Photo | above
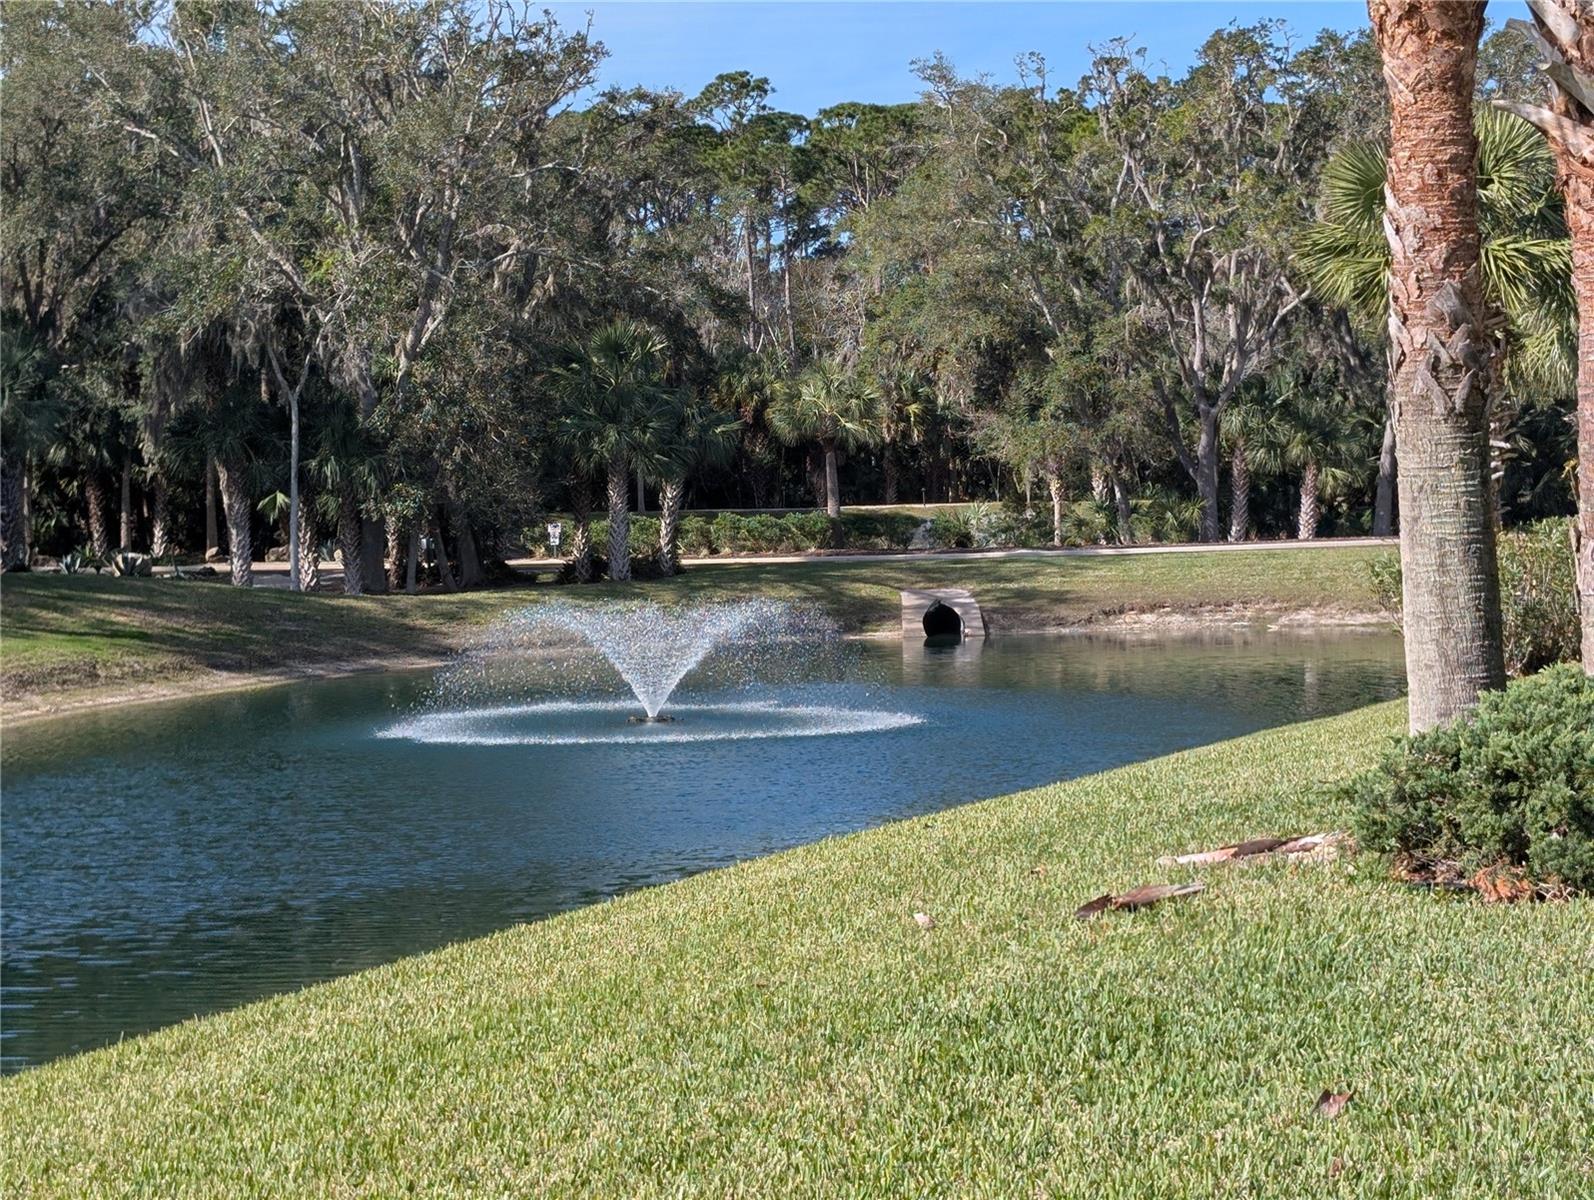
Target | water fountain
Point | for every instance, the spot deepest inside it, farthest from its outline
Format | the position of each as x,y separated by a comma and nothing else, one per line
571,656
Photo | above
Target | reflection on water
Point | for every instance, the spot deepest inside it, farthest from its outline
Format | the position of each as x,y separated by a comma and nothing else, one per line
168,860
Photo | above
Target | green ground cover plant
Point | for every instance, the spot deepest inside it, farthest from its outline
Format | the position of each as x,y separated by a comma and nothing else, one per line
1509,786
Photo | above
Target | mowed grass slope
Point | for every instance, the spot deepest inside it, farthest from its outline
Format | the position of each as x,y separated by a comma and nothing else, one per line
784,1028
59,632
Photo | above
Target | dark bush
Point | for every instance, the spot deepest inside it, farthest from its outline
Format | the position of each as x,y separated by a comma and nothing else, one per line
1510,785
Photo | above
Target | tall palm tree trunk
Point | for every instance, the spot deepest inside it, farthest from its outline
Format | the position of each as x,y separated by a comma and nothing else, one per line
1311,505
1054,487
671,493
396,545
1384,498
160,534
1440,348
309,543
13,517
95,501
351,544
581,534
1565,37
1239,492
619,521
888,471
1580,213
212,533
832,479
126,532
412,559
1100,490
235,507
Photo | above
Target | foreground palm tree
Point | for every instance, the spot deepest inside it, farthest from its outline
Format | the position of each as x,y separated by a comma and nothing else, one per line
614,417
833,407
1440,350
1564,32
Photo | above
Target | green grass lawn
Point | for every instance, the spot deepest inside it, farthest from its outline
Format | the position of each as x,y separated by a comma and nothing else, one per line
61,632
784,1028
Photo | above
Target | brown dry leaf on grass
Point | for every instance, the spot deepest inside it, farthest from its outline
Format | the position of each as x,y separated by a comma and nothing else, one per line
1502,885
1140,897
1499,884
1330,1104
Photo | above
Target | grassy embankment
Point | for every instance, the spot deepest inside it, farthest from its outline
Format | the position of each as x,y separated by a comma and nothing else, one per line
785,1028
60,633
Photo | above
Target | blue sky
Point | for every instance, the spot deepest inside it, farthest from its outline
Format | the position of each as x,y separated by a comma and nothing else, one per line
817,54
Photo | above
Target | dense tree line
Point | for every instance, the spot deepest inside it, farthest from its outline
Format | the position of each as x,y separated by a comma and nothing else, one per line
369,273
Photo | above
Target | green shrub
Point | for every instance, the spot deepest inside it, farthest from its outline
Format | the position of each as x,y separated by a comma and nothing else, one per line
948,533
726,531
879,531
1088,523
1158,516
764,534
1538,595
644,534
1510,785
810,530
1011,527
1383,579
697,536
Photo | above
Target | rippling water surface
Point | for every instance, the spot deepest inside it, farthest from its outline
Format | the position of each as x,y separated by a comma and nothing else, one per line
168,860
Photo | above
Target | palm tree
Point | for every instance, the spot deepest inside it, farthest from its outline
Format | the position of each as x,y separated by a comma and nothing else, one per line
1243,426
343,471
698,436
1560,30
1307,431
907,398
747,384
614,416
833,407
1524,251
1440,352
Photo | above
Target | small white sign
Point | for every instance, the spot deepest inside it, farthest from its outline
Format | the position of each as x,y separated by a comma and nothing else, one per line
555,531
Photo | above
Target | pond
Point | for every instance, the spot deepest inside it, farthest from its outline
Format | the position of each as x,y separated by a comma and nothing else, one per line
163,861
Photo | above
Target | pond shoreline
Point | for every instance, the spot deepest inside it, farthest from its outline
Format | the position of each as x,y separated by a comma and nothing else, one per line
53,703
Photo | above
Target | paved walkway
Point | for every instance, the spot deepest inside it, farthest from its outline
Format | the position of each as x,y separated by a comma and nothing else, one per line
275,574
